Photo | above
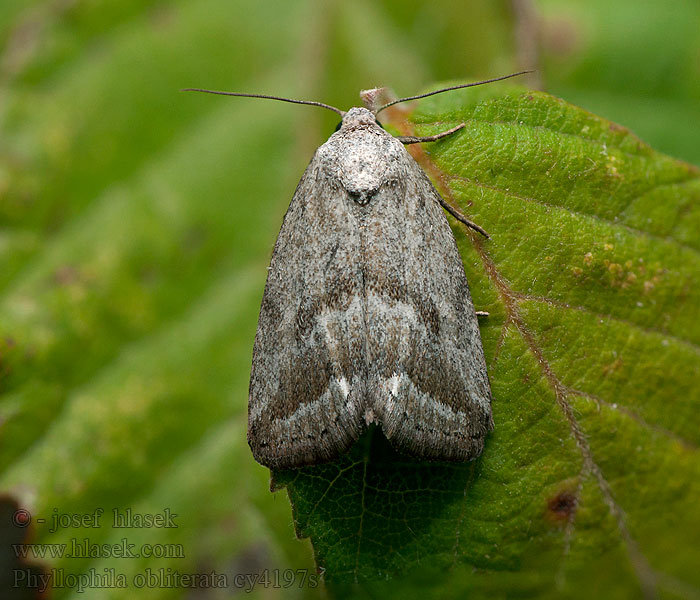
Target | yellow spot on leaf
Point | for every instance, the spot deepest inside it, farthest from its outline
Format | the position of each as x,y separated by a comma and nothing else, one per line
612,367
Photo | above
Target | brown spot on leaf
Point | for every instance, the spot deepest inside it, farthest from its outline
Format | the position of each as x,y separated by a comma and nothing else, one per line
562,506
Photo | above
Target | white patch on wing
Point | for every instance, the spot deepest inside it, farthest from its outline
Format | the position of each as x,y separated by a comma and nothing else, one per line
344,387
425,404
394,382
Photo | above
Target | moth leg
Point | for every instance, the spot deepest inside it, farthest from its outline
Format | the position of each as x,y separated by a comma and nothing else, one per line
482,313
461,218
448,207
410,139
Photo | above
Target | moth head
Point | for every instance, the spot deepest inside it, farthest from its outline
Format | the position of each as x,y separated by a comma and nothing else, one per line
358,118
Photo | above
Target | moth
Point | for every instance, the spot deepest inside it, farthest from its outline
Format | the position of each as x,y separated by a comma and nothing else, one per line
366,315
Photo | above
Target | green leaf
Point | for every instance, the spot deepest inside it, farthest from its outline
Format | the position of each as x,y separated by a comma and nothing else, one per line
591,477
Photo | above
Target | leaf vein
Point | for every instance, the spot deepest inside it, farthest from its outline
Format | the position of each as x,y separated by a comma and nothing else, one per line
645,574
628,412
643,328
599,218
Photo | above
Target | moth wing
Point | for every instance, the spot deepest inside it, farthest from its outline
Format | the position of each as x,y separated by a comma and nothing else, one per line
308,378
428,382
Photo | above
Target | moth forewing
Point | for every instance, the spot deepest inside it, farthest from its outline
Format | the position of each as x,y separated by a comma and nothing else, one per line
366,315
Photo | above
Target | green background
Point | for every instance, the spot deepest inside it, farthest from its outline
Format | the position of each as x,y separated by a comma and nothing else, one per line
136,223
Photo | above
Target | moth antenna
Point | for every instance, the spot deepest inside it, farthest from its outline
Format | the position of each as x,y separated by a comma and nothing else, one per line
311,102
447,89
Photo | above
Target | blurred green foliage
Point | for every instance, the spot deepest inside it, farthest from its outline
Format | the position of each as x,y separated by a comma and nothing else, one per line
136,223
